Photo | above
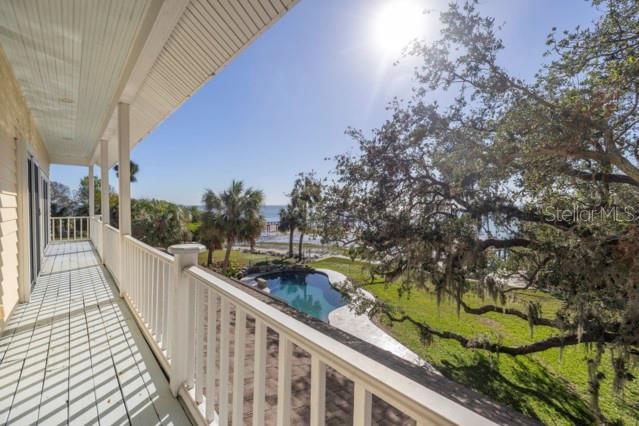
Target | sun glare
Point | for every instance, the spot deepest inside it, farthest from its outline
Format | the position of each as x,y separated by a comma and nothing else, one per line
397,23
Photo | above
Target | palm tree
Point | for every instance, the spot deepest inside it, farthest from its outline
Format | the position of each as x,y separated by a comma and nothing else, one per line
252,229
237,214
210,234
289,221
306,194
134,171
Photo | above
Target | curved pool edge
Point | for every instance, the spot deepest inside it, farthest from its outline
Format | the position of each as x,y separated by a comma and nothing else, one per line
358,325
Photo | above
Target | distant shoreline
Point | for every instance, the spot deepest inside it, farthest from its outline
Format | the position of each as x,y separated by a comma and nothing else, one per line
270,212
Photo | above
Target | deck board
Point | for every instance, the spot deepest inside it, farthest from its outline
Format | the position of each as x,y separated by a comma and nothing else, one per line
74,355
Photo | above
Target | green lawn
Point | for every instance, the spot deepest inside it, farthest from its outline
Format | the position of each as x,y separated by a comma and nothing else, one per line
550,386
305,246
239,258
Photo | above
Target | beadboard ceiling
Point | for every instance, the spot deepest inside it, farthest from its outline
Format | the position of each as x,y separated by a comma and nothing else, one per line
76,59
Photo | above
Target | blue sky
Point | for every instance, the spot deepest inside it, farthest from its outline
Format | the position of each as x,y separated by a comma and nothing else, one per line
282,106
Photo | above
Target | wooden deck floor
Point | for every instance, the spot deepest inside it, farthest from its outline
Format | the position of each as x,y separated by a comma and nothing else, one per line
74,355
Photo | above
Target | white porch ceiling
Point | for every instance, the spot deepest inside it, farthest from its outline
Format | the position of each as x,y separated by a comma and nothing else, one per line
152,54
207,36
69,57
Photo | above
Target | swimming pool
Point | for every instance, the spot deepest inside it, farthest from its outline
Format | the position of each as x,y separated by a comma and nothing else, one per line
309,292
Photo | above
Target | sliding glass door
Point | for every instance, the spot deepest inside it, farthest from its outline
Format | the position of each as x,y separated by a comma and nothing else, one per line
38,216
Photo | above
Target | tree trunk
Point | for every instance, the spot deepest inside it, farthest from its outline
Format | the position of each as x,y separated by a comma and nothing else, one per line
299,250
290,242
209,259
227,255
594,383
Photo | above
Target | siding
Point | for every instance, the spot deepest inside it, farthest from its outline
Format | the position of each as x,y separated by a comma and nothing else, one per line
16,123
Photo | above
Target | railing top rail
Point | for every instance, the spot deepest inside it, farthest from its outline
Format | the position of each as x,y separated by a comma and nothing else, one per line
409,396
111,228
151,250
68,217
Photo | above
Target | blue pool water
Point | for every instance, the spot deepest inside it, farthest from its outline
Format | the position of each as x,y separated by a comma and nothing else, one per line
309,292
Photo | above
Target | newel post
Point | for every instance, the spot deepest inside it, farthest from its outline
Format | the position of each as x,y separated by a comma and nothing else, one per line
181,319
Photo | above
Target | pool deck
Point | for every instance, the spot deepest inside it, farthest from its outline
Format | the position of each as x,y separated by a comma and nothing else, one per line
360,325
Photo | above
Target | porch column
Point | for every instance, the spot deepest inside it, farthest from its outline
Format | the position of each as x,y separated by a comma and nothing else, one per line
104,190
124,184
124,169
91,193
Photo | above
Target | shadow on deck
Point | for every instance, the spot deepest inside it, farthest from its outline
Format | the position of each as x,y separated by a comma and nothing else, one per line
74,354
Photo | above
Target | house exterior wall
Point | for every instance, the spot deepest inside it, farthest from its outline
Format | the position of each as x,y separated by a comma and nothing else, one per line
16,126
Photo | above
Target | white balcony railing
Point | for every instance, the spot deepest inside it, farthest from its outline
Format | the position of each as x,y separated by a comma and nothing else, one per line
69,228
95,233
186,313
111,254
148,273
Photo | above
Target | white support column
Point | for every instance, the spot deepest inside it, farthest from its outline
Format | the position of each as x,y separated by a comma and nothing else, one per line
179,320
124,186
91,193
104,190
124,169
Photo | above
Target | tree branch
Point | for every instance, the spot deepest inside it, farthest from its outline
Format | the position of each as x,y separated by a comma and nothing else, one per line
539,346
507,243
484,309
599,177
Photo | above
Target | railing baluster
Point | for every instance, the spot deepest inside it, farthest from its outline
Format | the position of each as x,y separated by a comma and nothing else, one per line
146,302
318,391
149,289
238,365
259,373
151,294
159,334
156,294
200,371
127,266
130,267
133,286
211,347
140,281
284,358
166,339
140,300
223,395
190,364
362,405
